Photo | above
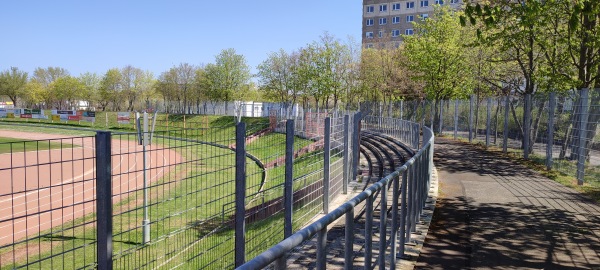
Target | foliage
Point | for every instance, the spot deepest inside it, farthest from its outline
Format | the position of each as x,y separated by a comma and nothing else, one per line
437,55
12,82
227,76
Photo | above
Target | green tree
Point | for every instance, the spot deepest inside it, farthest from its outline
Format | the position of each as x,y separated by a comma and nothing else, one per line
34,94
12,83
92,83
67,91
46,76
227,76
277,77
110,90
438,56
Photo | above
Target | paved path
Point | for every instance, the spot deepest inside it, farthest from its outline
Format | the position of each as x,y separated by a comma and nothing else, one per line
495,214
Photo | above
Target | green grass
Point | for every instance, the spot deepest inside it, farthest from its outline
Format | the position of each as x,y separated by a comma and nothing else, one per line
13,145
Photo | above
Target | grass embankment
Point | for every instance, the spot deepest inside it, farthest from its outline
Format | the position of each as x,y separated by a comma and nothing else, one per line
591,186
188,206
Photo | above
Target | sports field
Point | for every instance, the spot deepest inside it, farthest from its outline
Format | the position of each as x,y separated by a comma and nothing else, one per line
51,181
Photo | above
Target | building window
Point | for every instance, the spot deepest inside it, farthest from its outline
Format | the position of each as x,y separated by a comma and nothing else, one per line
369,46
424,3
410,5
369,22
410,18
382,21
424,16
439,2
396,6
395,33
370,9
408,32
453,1
369,35
382,8
396,19
380,35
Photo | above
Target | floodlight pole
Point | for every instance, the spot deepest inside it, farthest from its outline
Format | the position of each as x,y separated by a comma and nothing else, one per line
146,221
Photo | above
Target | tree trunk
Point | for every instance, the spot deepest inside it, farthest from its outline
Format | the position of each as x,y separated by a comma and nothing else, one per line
536,126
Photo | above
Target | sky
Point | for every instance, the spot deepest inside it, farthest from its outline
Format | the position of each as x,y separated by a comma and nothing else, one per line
94,36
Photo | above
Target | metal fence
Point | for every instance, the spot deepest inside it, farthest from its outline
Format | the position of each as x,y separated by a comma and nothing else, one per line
46,198
167,199
411,181
563,127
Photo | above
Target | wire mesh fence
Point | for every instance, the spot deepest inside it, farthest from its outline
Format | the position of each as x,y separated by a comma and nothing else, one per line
46,203
171,191
562,128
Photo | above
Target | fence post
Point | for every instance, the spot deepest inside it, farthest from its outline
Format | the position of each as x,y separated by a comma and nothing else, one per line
369,232
394,236
382,227
288,187
104,200
146,221
401,109
240,193
326,163
432,115
526,125
346,154
355,144
488,122
403,210
456,119
471,119
550,140
349,240
289,177
441,122
505,135
322,249
581,156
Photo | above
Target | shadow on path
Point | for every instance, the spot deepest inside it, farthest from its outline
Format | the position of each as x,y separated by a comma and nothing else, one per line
495,214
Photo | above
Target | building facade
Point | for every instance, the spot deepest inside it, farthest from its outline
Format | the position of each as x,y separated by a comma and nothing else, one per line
385,21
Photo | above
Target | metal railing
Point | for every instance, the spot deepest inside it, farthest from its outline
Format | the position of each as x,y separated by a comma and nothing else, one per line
409,188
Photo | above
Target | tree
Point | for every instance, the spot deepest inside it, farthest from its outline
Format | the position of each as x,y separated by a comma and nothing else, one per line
46,76
438,57
12,83
227,76
110,89
276,77
34,94
514,26
67,91
91,82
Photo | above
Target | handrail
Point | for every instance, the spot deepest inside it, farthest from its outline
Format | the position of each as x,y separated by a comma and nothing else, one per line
280,249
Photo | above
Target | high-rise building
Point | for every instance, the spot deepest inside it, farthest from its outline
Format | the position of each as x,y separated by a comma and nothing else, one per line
385,21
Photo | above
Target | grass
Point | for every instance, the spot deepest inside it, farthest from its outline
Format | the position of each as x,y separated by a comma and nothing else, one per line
13,145
590,188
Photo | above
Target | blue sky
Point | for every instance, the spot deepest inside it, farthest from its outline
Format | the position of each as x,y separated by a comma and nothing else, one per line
94,36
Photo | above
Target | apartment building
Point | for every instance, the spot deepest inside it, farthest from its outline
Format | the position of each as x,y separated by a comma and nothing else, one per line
385,22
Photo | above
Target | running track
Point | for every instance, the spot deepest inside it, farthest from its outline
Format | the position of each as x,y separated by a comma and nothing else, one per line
43,189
